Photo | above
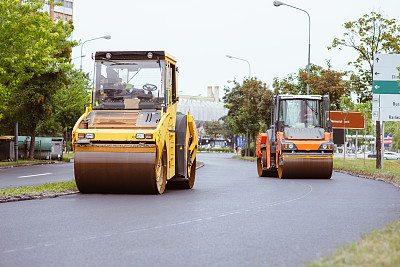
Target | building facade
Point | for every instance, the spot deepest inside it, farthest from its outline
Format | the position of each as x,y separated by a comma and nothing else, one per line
60,11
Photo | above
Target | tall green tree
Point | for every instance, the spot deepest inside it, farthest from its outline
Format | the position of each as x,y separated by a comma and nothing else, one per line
34,61
212,129
249,106
322,81
371,34
67,104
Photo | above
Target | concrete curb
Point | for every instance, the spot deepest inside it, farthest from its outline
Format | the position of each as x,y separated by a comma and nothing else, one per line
392,181
31,164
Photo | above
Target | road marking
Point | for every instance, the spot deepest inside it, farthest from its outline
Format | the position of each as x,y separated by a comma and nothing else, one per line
33,175
261,206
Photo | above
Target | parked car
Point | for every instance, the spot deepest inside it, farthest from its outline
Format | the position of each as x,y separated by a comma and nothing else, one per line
372,156
391,155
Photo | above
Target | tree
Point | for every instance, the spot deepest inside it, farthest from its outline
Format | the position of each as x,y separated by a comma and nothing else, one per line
369,35
396,137
249,106
67,104
212,128
34,61
322,81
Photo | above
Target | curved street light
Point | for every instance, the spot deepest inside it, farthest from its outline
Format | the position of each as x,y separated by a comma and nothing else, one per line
107,37
78,57
279,3
228,56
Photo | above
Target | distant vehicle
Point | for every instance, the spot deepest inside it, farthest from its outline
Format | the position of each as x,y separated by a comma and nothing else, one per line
373,156
391,155
205,146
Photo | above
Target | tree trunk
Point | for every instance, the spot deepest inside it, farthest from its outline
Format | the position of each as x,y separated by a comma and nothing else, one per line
32,147
255,144
247,154
378,146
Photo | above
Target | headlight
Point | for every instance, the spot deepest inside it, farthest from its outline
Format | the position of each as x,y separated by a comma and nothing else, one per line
90,135
140,136
326,146
288,145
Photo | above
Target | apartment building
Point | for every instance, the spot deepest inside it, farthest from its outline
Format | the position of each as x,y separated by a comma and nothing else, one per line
61,11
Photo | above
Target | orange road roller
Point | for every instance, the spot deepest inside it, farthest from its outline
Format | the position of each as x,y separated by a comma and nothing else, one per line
299,143
130,139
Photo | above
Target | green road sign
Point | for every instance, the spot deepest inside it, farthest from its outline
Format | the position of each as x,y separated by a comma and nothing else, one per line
386,87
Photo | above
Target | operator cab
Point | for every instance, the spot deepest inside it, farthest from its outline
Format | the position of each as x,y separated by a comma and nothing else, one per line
303,117
132,81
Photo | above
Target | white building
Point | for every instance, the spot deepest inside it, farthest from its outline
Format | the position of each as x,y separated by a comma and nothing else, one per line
208,108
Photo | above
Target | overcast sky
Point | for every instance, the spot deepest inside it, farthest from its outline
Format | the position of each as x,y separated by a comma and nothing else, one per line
200,33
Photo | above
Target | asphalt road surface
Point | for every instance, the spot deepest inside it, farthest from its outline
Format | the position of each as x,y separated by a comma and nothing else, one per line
36,175
232,217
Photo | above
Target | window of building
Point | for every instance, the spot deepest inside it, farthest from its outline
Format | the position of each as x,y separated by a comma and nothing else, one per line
68,4
58,15
67,17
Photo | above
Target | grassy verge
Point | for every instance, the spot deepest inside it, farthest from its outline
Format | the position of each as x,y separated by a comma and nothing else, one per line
68,156
45,188
8,163
391,168
245,158
379,248
39,191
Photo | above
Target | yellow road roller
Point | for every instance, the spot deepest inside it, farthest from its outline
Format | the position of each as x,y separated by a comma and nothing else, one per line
130,139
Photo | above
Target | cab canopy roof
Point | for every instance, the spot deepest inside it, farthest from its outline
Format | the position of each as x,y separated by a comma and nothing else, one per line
309,97
132,55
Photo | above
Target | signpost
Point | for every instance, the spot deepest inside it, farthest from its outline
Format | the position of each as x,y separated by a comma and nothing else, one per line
348,120
386,90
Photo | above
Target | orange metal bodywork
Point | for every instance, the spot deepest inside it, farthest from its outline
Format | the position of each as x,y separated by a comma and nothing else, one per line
302,145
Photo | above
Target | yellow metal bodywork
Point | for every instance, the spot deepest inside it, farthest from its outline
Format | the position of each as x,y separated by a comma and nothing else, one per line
163,134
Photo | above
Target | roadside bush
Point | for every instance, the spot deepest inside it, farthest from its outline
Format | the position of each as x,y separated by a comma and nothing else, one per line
225,150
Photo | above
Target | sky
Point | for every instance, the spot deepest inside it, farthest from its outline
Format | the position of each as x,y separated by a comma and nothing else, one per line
199,34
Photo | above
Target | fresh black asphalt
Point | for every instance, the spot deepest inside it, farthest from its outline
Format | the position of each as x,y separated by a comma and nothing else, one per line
231,217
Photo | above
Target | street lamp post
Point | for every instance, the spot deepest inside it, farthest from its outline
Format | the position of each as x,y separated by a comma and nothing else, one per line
279,3
78,57
228,56
247,151
107,37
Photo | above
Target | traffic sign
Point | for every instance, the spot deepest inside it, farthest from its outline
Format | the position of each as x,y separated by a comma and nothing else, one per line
385,74
347,120
386,88
386,60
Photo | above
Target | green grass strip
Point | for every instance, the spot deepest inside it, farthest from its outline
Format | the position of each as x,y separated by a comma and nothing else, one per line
35,190
391,168
8,163
379,248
